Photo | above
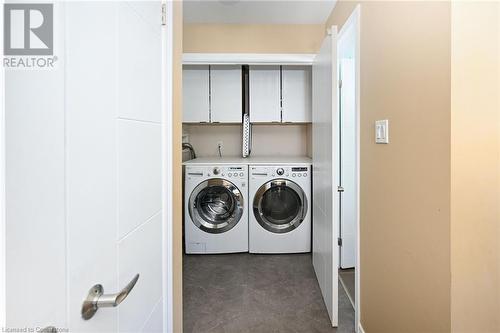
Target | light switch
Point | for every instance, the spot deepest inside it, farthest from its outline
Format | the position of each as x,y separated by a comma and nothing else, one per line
382,131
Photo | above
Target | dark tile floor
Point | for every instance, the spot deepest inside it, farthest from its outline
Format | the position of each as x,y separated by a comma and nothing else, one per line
257,293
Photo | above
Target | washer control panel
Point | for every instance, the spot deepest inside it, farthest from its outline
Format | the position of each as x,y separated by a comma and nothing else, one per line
234,172
220,171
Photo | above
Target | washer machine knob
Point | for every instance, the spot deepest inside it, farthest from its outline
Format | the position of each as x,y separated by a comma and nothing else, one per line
216,171
280,171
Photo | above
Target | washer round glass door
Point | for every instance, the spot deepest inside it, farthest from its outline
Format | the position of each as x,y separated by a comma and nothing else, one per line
280,205
216,205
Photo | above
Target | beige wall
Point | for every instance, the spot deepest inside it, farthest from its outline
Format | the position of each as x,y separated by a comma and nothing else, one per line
247,38
405,185
268,140
475,168
177,172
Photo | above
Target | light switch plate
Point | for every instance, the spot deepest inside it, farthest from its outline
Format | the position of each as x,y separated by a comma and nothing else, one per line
382,131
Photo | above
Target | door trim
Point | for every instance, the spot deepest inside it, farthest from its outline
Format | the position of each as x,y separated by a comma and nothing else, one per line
3,301
354,20
167,129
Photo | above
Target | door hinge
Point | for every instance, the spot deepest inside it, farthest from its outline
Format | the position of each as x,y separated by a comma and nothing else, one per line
163,14
339,241
340,84
340,189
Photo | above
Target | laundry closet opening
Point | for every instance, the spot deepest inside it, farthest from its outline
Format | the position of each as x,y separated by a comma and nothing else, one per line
261,147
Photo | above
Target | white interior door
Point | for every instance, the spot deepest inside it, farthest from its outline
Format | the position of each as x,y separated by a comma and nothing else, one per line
347,133
325,161
84,172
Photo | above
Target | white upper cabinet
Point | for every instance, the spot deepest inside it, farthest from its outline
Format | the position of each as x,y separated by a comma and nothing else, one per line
265,91
296,93
196,90
226,94
277,94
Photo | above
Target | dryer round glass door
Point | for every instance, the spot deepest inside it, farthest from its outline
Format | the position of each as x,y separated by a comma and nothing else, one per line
280,205
216,205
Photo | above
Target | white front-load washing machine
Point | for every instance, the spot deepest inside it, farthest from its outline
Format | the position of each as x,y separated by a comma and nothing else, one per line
216,217
280,208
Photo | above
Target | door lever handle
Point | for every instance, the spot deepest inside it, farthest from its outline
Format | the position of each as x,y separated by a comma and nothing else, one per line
96,298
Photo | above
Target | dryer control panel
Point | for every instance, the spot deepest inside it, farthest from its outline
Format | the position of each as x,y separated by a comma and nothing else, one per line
277,171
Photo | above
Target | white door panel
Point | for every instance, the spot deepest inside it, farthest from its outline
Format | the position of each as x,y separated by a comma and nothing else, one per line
348,209
325,205
139,49
139,173
114,160
155,320
148,11
91,160
141,252
265,94
34,191
226,94
296,93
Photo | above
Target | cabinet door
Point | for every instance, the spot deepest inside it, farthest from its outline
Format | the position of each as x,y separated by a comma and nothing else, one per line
296,93
265,94
226,94
195,90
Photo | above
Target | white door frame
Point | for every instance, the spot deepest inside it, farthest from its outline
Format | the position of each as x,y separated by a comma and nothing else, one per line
3,302
354,20
167,165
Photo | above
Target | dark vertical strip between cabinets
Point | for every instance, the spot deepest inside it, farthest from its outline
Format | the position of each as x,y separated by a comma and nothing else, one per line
246,90
209,93
281,93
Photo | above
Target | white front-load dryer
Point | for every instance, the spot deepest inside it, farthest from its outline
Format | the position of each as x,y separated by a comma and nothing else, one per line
280,209
216,217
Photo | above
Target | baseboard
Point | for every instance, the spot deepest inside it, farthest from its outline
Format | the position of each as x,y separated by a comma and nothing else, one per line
360,329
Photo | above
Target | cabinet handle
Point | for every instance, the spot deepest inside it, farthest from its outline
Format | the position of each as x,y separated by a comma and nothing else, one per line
97,299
